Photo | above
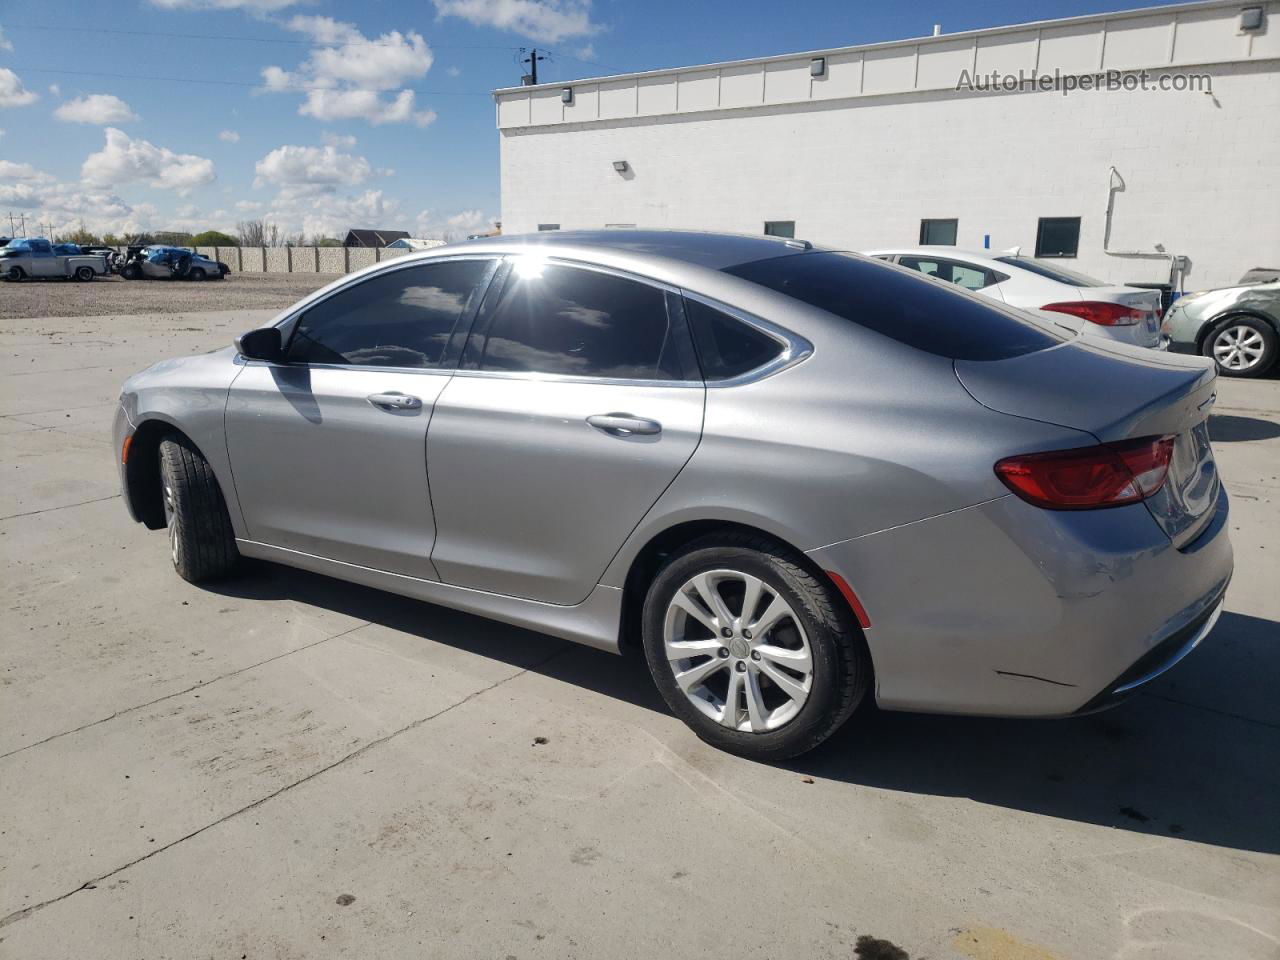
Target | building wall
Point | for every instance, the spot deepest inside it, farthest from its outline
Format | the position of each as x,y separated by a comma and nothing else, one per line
1201,171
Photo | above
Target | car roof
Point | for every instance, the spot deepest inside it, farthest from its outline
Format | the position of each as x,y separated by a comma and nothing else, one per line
943,251
715,251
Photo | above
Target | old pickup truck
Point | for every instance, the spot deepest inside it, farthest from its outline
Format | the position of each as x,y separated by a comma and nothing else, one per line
24,257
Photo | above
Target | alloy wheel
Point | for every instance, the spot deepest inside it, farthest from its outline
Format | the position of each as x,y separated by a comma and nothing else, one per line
738,651
1238,348
171,521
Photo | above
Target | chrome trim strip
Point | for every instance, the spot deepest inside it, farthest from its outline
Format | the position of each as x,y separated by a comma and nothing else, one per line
1185,649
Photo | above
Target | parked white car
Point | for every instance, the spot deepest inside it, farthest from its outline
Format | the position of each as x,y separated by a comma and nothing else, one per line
1115,312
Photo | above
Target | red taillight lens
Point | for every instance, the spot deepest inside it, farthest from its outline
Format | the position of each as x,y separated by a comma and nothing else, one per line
1108,475
1100,312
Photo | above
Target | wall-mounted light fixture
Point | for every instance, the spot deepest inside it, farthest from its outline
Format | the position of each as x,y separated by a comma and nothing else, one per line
566,95
818,67
1251,19
621,166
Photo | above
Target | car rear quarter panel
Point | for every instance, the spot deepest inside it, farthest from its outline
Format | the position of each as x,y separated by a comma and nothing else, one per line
190,393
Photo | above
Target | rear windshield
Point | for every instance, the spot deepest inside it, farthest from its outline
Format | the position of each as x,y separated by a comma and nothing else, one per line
1052,271
912,309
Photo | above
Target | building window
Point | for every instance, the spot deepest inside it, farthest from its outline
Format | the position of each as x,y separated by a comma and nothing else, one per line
548,226
780,228
938,233
1058,237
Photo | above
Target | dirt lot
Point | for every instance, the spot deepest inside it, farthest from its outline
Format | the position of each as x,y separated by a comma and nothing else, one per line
287,766
107,296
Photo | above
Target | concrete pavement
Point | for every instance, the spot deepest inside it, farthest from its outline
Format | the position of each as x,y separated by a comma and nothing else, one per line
288,766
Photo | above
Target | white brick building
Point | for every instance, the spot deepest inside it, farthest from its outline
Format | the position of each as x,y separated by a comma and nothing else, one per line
859,155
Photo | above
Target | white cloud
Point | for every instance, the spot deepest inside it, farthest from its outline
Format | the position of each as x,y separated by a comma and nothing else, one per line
4,42
248,206
343,140
55,89
549,20
22,171
229,136
453,71
430,225
347,76
66,205
334,105
332,215
310,170
123,159
99,108
250,6
12,92
586,52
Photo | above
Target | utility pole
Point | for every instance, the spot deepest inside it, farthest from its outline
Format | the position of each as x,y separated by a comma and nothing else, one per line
530,79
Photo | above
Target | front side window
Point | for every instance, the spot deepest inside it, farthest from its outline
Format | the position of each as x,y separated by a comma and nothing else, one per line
939,232
401,318
728,347
563,320
780,228
1058,237
893,303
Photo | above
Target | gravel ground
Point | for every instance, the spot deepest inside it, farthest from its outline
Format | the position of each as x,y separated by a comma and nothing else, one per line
112,295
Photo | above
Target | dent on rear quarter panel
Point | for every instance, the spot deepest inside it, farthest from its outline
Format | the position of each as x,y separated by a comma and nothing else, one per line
191,394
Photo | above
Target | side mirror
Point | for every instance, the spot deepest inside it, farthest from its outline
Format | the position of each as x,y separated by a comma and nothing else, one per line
261,344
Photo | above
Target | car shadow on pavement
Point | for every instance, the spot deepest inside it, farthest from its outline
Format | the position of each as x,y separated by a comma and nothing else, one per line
1194,756
1224,428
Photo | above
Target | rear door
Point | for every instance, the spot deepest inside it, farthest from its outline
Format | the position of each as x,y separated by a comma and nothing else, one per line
329,449
576,404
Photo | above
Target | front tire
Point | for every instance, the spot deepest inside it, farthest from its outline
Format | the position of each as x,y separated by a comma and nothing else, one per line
201,540
1242,346
131,271
196,275
15,274
752,650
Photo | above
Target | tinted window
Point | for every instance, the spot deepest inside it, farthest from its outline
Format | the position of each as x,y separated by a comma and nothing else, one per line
398,319
1053,272
1058,237
562,320
727,347
952,271
923,315
939,232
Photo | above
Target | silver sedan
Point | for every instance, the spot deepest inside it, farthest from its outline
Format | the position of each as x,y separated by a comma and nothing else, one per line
795,478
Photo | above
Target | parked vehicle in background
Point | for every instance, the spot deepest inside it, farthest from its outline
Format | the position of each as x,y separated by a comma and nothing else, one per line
171,263
413,243
1114,312
794,477
111,254
1238,326
35,257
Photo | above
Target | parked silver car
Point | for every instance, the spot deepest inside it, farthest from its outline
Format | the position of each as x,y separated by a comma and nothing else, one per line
1238,326
172,263
792,476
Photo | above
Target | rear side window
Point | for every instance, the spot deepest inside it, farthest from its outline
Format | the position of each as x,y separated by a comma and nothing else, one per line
953,271
926,316
402,318
564,320
727,347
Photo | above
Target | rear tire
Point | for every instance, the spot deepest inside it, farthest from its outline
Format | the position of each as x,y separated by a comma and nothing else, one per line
770,693
131,271
84,274
202,543
1242,346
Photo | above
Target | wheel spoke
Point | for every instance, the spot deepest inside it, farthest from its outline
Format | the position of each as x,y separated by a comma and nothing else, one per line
787,684
729,717
778,609
757,713
693,609
706,588
694,676
753,588
798,660
688,649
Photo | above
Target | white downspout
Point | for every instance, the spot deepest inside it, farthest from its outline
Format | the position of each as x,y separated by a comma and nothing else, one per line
1177,264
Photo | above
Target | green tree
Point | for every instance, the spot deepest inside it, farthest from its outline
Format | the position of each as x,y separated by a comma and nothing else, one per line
214,238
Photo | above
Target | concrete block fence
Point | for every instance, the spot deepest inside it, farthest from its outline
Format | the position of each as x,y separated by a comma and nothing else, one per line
296,259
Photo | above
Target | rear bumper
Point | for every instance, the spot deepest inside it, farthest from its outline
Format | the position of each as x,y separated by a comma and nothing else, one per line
1004,609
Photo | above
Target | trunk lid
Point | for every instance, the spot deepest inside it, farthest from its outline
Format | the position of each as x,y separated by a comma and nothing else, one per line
1117,392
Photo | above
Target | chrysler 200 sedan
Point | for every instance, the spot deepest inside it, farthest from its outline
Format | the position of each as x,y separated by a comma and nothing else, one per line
793,477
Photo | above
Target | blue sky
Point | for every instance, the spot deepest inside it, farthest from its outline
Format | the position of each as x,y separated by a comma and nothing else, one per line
331,115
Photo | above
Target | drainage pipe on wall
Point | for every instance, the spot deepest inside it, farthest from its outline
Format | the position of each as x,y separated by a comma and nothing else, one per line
1177,263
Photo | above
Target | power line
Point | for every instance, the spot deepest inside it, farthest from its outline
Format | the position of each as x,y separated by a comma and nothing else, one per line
244,39
293,87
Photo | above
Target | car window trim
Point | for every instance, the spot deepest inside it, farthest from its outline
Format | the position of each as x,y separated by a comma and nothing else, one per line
795,348
289,324
473,350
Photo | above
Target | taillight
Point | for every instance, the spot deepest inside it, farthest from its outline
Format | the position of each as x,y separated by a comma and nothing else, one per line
1108,475
1101,312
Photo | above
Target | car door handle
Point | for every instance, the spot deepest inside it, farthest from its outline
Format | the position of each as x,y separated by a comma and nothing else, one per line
394,401
624,424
